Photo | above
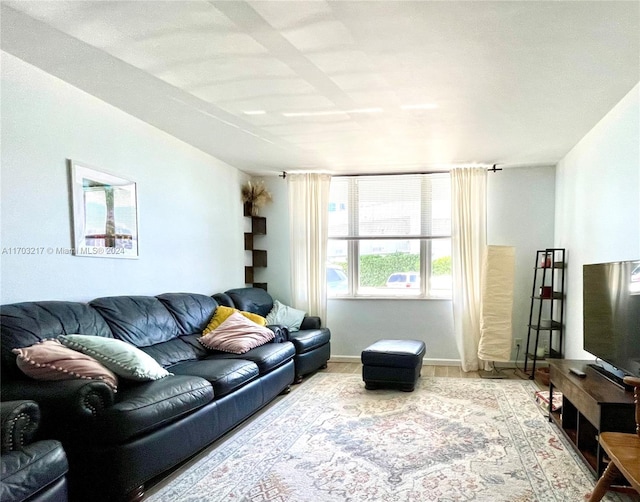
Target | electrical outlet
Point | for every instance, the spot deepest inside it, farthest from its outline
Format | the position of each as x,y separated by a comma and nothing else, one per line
518,342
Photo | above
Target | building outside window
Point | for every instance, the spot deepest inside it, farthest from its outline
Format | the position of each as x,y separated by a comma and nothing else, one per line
390,236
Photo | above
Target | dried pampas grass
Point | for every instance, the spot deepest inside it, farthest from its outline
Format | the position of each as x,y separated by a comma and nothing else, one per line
256,194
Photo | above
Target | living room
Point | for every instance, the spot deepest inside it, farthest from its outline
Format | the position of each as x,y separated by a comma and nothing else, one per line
63,99
184,191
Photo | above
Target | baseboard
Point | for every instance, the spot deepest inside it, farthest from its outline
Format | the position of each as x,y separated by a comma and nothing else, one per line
344,359
426,361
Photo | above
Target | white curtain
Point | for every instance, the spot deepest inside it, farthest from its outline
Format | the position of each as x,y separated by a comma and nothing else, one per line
469,238
308,228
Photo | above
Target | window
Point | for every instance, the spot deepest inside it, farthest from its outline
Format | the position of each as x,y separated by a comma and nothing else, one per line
390,236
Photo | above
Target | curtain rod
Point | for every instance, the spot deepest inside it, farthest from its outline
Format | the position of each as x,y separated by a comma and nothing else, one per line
492,169
360,175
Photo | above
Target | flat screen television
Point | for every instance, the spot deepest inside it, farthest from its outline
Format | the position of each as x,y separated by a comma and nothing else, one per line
611,310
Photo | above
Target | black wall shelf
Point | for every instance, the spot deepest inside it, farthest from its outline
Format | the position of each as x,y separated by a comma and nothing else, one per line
258,256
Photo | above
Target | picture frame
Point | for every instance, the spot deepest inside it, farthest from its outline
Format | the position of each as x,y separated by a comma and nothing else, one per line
105,213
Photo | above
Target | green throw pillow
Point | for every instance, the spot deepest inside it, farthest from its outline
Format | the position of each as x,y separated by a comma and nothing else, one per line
285,316
120,357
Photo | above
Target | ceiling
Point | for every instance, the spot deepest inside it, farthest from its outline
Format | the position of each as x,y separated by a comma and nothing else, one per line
345,86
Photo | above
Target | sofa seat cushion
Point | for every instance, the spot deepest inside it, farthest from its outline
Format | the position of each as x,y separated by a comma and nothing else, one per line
225,375
306,340
266,357
143,407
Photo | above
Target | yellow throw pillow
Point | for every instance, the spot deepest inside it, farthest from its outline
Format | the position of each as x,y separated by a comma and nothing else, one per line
219,316
223,312
258,319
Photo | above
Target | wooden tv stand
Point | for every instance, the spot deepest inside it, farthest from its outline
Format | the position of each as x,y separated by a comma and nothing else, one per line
590,405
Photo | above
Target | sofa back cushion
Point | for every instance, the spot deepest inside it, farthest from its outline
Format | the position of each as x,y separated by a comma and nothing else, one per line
139,320
255,300
224,299
27,323
183,348
191,311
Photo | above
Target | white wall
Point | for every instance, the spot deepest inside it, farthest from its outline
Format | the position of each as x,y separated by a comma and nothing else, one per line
276,242
520,213
190,215
598,204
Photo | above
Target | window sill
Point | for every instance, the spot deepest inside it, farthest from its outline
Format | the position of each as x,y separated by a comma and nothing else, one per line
388,298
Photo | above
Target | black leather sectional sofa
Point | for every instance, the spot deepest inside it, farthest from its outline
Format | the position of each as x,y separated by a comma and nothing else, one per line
312,342
118,441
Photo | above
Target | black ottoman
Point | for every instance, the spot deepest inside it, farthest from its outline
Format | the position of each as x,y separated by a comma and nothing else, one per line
395,363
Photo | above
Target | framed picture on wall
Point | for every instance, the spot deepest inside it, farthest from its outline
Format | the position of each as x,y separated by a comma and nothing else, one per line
105,213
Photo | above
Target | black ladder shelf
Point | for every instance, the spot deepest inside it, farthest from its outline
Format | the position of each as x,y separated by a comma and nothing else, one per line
545,337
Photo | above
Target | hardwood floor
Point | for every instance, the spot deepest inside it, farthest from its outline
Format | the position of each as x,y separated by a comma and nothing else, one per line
427,371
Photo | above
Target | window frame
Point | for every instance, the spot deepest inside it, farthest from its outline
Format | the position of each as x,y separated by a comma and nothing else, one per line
353,245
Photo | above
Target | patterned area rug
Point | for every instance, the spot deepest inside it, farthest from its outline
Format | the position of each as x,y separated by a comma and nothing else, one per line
332,440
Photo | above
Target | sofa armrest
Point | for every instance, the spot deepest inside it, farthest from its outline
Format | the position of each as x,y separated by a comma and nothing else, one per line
36,472
311,322
29,469
73,400
19,423
281,332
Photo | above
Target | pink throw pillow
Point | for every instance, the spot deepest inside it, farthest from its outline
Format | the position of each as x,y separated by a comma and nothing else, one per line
50,360
237,335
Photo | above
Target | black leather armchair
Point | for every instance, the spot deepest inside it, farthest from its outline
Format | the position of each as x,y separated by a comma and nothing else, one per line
31,471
